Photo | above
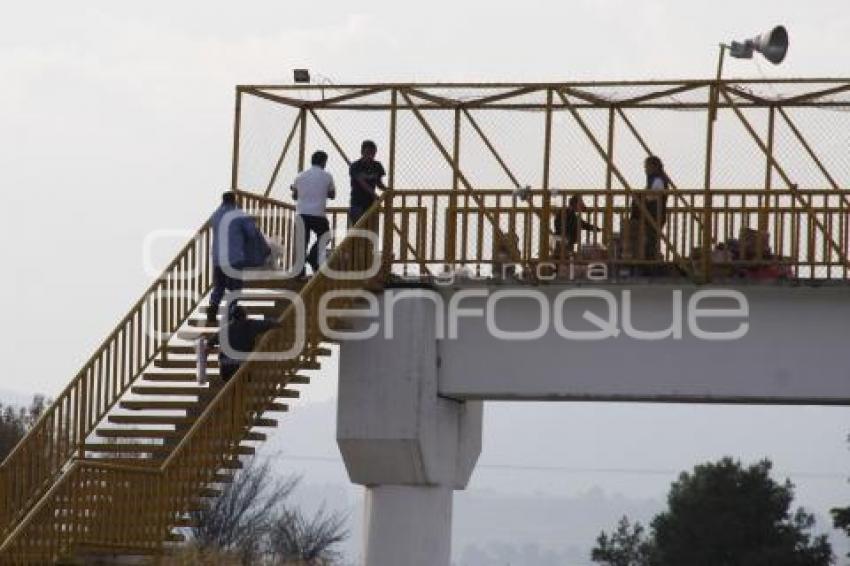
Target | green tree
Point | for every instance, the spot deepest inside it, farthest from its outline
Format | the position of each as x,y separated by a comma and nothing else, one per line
723,514
841,519
16,421
626,546
841,516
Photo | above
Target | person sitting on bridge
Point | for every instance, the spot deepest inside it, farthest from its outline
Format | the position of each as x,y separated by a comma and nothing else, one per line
366,176
568,226
237,245
311,190
241,335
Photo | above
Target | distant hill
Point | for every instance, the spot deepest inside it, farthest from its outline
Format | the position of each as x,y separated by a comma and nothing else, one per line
548,483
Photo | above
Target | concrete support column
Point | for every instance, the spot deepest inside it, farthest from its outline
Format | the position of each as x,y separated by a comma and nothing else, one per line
408,446
408,525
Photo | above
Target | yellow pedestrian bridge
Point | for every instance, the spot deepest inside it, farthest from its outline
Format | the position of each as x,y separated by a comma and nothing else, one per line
758,200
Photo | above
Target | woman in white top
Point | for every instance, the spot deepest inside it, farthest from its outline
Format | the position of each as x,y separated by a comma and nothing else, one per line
655,204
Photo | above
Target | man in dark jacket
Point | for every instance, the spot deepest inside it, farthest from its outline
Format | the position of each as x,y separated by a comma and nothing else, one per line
237,244
242,334
568,224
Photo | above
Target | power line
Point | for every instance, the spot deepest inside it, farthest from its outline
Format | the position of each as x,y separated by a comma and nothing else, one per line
574,469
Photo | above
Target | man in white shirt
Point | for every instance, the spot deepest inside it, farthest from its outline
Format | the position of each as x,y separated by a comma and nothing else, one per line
312,189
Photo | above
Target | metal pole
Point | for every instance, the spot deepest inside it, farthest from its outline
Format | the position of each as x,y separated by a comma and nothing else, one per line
768,169
609,178
809,150
714,93
451,225
237,122
393,127
389,222
280,159
330,137
547,195
302,139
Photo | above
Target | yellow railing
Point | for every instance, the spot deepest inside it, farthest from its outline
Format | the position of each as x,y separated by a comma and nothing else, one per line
43,453
423,232
134,507
807,232
137,339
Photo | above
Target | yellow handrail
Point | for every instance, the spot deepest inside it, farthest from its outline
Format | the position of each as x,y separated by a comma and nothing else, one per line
138,338
98,503
130,347
150,499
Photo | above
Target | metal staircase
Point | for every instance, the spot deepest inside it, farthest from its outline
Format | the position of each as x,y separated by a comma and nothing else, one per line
134,443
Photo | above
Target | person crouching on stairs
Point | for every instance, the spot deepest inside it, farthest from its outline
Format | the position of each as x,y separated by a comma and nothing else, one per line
237,244
240,336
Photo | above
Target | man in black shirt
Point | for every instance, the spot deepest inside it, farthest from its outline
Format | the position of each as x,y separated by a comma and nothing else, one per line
568,224
366,176
242,334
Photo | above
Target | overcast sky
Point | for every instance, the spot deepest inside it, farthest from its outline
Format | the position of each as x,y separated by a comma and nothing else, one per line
116,120
116,117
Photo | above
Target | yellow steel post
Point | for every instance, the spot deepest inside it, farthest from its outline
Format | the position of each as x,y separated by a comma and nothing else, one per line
547,195
283,153
389,222
768,169
237,122
451,225
302,139
714,93
609,178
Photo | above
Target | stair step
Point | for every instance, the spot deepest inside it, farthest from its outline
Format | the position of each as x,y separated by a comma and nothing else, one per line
204,323
255,436
186,350
128,448
149,419
175,537
180,364
135,433
258,310
177,376
222,477
288,394
149,462
192,334
265,423
197,390
142,405
286,379
309,365
185,522
289,284
209,492
201,323
277,408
